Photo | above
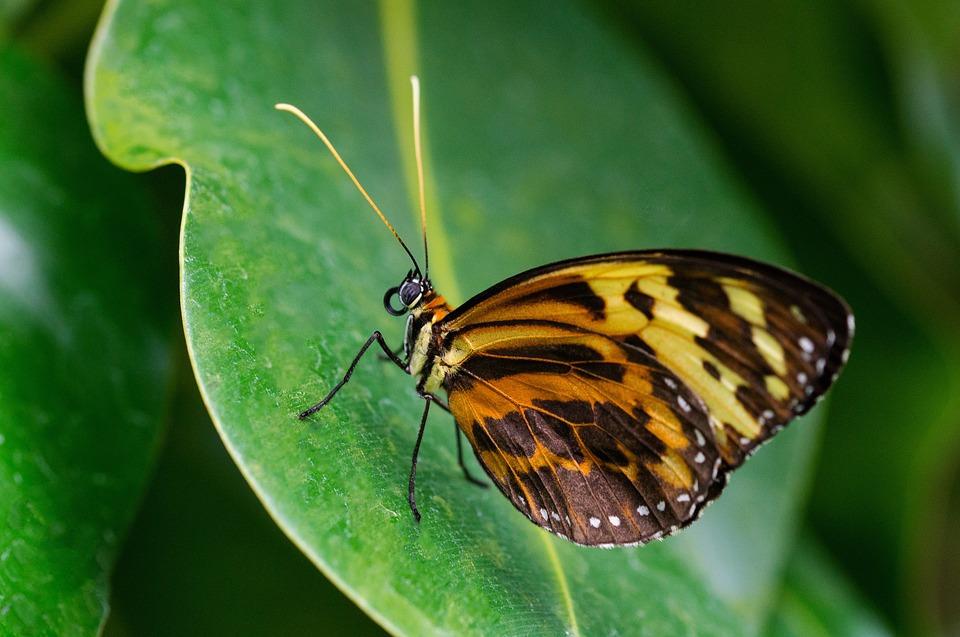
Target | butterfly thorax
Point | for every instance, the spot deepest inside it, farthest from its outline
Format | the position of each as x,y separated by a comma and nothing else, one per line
420,343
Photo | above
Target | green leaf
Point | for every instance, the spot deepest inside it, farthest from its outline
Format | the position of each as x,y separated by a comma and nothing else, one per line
84,347
204,559
547,137
816,601
11,12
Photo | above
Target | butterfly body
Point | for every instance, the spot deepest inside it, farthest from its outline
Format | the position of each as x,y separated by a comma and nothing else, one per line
420,342
608,397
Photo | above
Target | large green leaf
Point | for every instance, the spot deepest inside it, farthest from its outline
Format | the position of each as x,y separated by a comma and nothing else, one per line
84,343
548,137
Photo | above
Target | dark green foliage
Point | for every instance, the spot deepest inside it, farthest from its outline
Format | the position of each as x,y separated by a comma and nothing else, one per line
86,329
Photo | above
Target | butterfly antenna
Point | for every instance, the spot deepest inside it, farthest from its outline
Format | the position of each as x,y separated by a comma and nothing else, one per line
418,151
316,129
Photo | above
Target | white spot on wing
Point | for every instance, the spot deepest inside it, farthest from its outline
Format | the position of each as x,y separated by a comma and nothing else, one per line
555,515
699,457
669,382
614,520
661,506
643,511
595,522
543,513
700,439
684,405
683,497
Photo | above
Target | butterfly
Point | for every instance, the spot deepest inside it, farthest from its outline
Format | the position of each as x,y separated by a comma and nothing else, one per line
609,397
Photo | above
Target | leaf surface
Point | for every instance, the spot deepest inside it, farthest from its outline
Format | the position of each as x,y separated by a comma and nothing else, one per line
547,137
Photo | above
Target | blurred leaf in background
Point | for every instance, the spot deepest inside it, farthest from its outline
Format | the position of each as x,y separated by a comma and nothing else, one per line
85,342
815,602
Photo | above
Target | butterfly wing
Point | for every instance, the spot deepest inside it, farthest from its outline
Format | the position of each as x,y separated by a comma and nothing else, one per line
609,396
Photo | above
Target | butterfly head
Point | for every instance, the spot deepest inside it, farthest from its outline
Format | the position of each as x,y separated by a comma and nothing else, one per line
410,293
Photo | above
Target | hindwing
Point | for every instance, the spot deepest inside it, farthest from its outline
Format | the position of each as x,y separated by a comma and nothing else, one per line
609,396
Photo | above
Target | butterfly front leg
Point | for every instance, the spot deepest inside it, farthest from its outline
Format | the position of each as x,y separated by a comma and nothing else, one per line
376,337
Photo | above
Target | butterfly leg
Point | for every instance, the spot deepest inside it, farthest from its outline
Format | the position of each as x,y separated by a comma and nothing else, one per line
463,466
411,485
439,402
396,354
456,432
376,337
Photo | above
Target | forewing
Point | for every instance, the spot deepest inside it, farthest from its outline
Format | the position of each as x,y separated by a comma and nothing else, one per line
717,353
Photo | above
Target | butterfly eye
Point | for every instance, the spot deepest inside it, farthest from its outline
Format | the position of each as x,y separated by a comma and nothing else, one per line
388,303
410,293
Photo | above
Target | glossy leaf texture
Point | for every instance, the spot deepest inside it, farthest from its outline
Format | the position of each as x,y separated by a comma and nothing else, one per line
547,137
84,347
